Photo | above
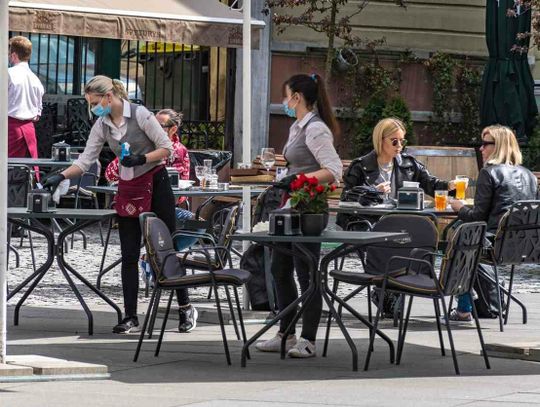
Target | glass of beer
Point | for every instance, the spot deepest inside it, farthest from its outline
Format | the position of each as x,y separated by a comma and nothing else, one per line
441,200
461,183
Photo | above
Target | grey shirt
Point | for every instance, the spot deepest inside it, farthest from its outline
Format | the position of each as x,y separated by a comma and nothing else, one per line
310,147
143,121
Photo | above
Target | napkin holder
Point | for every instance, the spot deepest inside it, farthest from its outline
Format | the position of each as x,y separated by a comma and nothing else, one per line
61,151
410,198
284,222
40,201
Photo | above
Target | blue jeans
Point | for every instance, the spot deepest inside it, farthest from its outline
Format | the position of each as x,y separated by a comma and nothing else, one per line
464,303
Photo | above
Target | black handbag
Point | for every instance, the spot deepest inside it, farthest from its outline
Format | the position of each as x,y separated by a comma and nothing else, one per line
364,195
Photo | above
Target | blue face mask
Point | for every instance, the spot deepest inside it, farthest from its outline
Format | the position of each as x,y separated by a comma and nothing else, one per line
289,111
101,111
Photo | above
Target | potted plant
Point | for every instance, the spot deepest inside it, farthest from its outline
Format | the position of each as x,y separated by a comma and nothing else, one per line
309,197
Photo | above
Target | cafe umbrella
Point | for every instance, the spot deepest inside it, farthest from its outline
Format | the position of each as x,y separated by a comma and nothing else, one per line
507,86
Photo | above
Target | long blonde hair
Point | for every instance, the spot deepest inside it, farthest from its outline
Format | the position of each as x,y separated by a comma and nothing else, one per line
506,146
101,84
385,128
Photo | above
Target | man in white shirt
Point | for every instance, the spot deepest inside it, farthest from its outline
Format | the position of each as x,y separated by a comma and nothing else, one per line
25,93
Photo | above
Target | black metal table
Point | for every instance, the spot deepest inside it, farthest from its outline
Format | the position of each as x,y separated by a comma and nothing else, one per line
378,211
350,241
192,192
55,249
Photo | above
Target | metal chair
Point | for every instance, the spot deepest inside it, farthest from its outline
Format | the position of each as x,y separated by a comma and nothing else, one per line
516,242
456,277
170,274
423,236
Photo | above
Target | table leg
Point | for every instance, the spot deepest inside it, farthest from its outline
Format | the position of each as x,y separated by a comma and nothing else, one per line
102,271
40,272
67,269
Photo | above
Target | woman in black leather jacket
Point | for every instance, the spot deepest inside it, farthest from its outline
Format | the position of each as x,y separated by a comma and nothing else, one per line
386,167
502,182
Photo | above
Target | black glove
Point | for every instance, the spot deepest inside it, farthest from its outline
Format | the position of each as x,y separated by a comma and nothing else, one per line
285,183
52,182
133,160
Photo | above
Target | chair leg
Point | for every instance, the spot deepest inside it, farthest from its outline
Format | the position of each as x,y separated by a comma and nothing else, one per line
450,339
165,317
509,300
222,325
480,336
374,328
403,328
329,321
438,319
231,309
499,301
145,324
154,315
241,318
370,313
399,304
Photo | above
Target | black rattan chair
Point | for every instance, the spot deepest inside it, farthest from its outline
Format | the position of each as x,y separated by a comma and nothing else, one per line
170,274
456,277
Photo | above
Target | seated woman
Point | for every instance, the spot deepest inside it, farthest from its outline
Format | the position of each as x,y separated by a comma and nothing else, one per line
501,183
387,166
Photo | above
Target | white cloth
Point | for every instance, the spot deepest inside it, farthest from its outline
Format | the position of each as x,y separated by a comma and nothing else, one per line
62,189
25,93
320,142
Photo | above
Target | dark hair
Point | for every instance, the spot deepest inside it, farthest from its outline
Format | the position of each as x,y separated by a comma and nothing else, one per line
175,118
314,91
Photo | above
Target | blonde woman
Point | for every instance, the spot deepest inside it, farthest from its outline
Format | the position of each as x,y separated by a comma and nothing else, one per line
502,182
143,184
387,166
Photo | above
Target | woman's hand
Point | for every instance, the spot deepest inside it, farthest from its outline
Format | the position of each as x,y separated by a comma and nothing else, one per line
384,187
456,204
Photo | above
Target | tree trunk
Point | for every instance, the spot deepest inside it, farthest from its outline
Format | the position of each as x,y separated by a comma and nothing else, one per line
331,36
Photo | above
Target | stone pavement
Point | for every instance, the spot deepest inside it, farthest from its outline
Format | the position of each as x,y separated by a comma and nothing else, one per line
191,369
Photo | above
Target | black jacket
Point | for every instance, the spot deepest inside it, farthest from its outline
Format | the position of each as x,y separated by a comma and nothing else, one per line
497,188
365,171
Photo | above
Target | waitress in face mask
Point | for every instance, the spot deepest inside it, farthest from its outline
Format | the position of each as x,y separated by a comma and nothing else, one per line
309,150
142,173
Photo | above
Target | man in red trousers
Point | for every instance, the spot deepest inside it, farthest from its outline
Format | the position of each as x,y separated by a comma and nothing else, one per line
25,93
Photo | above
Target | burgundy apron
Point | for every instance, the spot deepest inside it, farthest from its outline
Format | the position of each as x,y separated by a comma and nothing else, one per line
22,140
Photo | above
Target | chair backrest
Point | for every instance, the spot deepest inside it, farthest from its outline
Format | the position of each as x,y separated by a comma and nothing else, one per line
422,235
266,202
517,240
19,181
224,224
158,243
460,262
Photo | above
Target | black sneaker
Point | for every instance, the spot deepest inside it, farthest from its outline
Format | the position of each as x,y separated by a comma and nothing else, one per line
187,319
128,324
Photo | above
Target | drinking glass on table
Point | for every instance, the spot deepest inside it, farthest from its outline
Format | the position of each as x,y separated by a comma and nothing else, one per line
200,173
268,158
461,182
441,200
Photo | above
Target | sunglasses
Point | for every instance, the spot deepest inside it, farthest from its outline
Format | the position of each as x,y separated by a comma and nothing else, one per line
487,143
396,141
166,126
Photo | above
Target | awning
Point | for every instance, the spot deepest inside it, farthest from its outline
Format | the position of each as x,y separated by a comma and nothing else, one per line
200,22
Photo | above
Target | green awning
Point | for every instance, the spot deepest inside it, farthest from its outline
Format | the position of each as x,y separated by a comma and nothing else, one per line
507,85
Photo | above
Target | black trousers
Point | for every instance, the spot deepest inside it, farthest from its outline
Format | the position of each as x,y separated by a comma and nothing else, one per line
163,205
283,267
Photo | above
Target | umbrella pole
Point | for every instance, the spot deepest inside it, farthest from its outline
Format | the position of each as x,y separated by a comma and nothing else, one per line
246,122
4,35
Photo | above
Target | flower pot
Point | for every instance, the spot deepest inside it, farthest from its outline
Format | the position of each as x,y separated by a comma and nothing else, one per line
313,224
345,59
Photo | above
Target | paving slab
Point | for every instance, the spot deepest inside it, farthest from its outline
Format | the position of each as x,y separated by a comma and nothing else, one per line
525,351
13,370
43,365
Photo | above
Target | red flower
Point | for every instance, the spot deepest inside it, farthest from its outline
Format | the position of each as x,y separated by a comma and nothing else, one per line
313,181
332,187
319,189
302,178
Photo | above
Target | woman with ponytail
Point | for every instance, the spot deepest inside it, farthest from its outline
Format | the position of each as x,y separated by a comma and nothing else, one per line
135,136
309,150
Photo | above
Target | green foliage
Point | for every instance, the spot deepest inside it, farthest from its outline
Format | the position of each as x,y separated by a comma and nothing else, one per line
469,81
397,107
531,152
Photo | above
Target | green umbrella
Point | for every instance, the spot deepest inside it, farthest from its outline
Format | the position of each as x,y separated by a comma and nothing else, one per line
507,85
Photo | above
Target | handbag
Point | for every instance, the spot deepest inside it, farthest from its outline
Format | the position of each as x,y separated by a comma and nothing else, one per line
135,196
364,195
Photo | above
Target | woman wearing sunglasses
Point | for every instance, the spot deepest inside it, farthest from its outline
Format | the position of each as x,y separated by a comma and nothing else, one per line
387,166
501,182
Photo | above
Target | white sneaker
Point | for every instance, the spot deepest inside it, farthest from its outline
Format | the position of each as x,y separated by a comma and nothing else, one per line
302,349
274,344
